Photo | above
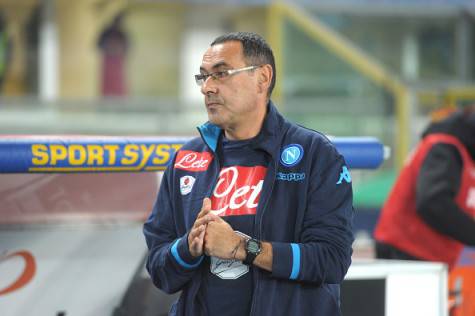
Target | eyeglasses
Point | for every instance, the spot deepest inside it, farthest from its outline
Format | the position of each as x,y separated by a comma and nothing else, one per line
201,78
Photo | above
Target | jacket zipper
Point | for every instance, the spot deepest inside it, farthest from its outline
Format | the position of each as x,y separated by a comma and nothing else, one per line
215,180
208,194
217,168
259,234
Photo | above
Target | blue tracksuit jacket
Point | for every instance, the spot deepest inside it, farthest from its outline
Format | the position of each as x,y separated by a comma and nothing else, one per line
305,211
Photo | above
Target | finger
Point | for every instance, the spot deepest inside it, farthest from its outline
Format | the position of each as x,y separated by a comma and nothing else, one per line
202,235
201,221
206,204
206,245
205,208
213,217
199,237
198,242
196,231
191,237
197,246
206,219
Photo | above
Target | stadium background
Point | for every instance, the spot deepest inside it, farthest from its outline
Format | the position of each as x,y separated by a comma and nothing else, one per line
345,67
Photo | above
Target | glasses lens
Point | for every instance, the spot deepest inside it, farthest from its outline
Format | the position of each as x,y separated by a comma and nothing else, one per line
200,79
220,75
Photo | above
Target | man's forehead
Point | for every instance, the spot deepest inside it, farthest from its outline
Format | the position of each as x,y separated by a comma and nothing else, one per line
229,53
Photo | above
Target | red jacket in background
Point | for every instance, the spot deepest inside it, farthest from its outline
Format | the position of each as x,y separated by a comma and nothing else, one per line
400,225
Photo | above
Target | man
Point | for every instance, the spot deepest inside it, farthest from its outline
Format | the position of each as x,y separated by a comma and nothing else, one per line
114,45
429,214
254,217
4,51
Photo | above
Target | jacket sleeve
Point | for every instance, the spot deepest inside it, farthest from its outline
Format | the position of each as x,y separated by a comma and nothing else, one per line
323,254
169,261
438,183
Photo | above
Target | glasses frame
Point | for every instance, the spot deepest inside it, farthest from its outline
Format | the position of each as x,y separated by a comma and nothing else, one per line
201,78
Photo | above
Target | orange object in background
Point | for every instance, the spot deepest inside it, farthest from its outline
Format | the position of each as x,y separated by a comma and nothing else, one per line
462,287
442,113
27,274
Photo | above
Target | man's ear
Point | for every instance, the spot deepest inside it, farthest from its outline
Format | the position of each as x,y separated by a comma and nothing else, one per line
265,77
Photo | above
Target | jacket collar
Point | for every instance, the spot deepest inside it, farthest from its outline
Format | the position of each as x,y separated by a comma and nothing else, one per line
268,138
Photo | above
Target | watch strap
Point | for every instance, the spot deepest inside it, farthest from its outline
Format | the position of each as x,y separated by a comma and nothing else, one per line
253,249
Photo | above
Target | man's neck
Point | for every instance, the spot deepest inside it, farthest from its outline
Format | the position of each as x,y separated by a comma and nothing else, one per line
247,129
241,134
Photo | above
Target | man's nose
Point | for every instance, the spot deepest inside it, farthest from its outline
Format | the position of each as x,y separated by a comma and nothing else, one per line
209,86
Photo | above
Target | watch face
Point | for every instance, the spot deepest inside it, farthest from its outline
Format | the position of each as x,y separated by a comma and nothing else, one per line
253,246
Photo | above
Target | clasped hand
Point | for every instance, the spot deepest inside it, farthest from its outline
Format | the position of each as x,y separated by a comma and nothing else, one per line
212,235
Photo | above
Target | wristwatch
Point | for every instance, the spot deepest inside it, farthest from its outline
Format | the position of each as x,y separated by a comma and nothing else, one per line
253,248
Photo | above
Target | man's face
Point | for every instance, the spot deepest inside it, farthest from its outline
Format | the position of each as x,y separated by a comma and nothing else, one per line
233,99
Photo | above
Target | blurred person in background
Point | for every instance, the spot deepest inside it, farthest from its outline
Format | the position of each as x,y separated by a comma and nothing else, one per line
254,217
114,44
4,51
430,212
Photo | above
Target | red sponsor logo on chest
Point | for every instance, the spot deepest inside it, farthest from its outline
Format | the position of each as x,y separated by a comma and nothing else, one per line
238,190
192,160
470,200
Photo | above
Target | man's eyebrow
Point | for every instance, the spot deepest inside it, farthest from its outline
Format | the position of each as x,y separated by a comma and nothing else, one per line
220,64
217,65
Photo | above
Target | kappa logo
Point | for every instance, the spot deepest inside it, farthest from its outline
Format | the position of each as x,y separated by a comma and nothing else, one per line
291,155
290,176
344,175
193,161
238,190
186,184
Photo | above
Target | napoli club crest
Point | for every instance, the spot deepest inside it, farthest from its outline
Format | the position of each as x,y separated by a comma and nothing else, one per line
291,155
186,184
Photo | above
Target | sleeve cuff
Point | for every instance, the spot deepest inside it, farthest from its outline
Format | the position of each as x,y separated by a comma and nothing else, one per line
181,253
285,260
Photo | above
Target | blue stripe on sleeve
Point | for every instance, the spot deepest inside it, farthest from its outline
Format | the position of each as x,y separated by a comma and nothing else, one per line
295,261
180,261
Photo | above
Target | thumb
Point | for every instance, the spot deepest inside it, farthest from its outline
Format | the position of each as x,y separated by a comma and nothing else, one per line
206,204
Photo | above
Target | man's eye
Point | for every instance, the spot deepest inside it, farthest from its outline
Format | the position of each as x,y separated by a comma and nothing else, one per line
220,74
